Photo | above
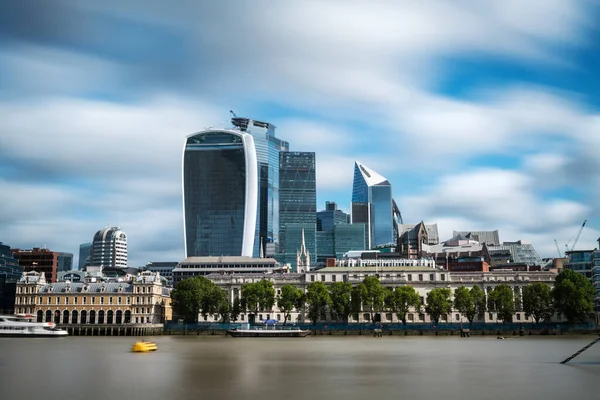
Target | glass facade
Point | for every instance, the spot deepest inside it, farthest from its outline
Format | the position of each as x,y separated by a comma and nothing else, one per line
580,261
329,217
596,277
9,265
372,204
297,204
219,201
325,245
348,237
85,251
65,262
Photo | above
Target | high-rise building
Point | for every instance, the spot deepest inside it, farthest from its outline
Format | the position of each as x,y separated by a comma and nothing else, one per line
297,205
330,216
220,193
38,260
268,147
9,264
85,252
65,262
373,205
109,248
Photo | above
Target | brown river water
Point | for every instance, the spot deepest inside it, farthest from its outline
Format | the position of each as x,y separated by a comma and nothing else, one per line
353,367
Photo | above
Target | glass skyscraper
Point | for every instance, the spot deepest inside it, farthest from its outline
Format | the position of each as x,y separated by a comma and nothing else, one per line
220,193
297,204
373,205
267,148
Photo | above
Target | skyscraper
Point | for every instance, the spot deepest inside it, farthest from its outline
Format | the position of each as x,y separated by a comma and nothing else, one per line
109,248
372,204
220,193
267,148
85,252
297,204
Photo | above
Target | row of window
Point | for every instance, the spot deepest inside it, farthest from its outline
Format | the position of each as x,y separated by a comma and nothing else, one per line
30,300
139,289
420,277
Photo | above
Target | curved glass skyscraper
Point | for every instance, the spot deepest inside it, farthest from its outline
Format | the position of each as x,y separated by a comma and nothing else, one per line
372,204
220,193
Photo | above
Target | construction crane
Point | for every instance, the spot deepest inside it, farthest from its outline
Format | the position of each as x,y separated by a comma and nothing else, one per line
558,249
232,114
576,238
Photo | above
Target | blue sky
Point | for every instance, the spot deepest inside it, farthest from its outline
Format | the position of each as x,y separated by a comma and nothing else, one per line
483,115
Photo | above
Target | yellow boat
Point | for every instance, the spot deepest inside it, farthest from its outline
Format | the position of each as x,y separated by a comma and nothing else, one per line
144,347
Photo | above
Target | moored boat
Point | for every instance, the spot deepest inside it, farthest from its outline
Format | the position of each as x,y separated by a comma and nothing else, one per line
268,330
19,326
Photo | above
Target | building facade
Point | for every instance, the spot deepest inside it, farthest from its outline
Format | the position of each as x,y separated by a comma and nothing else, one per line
596,280
220,193
85,254
297,205
331,216
109,248
201,266
9,264
373,205
142,301
268,147
65,262
39,260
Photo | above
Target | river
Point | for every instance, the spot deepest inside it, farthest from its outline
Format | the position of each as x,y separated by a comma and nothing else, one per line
353,367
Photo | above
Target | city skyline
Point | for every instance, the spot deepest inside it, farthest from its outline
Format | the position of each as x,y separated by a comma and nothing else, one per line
480,118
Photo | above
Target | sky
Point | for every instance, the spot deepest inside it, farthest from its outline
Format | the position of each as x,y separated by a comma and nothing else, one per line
483,115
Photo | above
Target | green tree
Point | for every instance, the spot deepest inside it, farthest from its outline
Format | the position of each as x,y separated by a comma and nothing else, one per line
194,296
372,295
400,300
236,309
464,303
288,300
341,298
258,296
479,299
573,296
438,303
318,300
537,301
502,299
356,301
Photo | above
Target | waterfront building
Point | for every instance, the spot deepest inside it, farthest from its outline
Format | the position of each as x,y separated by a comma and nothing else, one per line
422,278
515,252
596,279
165,268
220,193
491,238
200,266
373,205
109,248
39,260
85,253
580,261
65,262
297,205
142,301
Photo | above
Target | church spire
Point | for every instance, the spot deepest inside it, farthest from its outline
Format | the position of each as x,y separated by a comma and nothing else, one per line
303,256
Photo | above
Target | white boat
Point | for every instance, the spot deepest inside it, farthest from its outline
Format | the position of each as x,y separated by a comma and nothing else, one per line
269,330
15,326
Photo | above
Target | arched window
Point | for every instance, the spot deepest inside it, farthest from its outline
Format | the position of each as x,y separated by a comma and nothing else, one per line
48,316
92,317
66,317
74,316
40,316
109,317
101,316
119,317
127,317
84,316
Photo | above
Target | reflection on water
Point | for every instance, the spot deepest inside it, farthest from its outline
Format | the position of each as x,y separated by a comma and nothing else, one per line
194,367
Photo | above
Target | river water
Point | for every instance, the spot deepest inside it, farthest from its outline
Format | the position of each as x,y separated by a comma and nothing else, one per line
353,367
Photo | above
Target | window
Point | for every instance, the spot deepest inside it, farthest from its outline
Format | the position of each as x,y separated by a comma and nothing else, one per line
431,278
119,300
322,278
421,317
491,316
101,300
518,317
333,278
457,317
443,277
110,300
66,300
93,300
422,300
312,278
128,300
420,277
409,277
57,300
75,300
84,299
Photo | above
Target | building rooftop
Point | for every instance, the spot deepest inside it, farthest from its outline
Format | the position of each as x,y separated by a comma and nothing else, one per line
371,177
376,269
228,260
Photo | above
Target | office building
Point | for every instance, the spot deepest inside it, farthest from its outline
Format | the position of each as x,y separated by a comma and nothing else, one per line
38,260
220,193
85,252
373,205
109,248
65,262
331,216
297,205
9,264
268,147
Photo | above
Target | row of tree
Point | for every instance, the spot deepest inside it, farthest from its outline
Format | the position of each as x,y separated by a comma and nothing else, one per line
572,296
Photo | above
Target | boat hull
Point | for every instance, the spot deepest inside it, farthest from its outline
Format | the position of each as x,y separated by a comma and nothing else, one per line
267,333
33,335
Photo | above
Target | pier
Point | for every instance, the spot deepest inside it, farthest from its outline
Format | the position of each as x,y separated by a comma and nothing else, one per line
114,330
